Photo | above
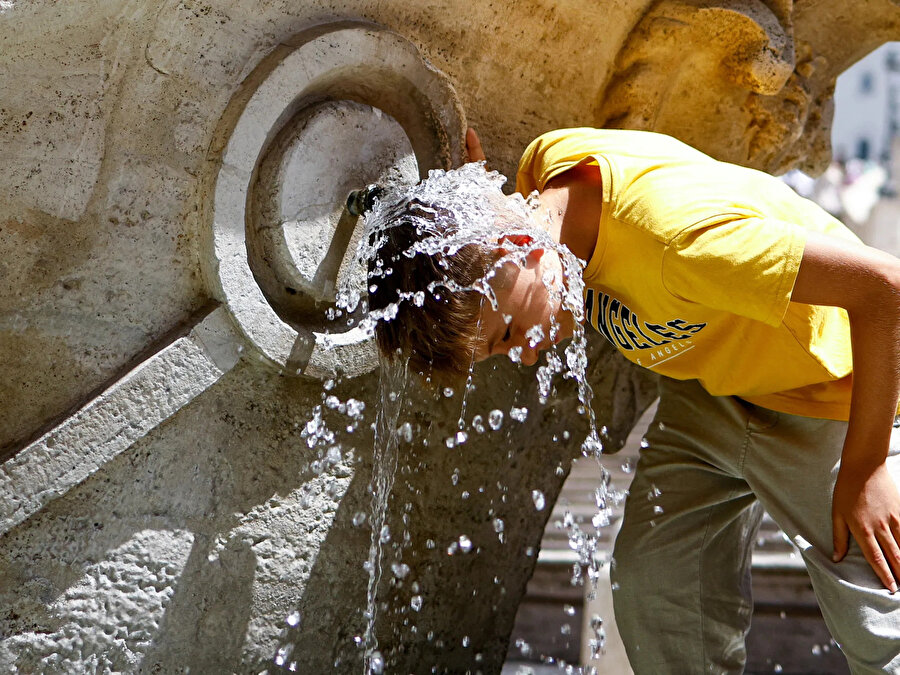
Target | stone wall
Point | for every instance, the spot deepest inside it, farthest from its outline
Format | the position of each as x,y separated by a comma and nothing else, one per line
172,230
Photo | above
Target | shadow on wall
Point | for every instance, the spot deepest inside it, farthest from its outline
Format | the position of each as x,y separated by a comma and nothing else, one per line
213,596
196,518
191,548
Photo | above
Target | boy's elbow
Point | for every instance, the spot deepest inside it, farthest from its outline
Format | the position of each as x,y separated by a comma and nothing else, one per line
880,294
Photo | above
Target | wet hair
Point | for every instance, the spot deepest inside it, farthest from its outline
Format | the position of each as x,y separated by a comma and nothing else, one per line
440,331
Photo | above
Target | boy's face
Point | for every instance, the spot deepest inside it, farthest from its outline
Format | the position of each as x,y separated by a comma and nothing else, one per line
524,301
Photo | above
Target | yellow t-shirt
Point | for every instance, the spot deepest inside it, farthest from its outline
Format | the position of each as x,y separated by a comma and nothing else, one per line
693,269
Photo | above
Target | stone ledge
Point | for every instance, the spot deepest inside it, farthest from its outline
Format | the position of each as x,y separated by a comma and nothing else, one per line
110,423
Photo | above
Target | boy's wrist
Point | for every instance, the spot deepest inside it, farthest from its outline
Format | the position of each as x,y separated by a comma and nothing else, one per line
862,458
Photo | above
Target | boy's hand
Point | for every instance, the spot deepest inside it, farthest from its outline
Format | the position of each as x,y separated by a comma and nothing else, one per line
473,146
867,505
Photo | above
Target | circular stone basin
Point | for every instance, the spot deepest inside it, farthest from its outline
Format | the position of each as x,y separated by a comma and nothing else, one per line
344,106
300,237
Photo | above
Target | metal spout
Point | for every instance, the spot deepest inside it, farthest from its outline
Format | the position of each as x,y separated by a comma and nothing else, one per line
360,201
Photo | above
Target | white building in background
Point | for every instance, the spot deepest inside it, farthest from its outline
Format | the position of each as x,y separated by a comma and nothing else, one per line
863,192
867,106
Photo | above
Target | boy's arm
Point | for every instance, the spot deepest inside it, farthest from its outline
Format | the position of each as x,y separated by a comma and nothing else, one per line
865,282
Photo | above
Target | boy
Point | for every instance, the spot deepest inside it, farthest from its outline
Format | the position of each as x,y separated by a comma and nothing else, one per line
777,334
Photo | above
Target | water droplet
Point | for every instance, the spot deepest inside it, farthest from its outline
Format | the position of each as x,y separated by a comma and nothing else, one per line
523,647
406,432
448,392
495,419
600,519
498,525
518,414
816,650
450,441
454,477
777,668
565,629
478,424
538,498
461,437
293,619
355,408
359,518
465,641
376,663
385,534
628,465
592,447
657,509
283,654
416,603
569,610
515,354
534,335
400,570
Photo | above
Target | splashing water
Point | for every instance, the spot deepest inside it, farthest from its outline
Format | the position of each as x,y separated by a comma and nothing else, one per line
474,198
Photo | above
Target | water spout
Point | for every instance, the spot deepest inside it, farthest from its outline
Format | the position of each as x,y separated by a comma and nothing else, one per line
360,201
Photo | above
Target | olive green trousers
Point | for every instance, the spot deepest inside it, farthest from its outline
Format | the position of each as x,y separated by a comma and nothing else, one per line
681,569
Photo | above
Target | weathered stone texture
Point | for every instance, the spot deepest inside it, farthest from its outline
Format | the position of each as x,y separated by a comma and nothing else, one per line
188,542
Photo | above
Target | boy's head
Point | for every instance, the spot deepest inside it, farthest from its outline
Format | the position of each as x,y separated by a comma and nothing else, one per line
436,322
457,272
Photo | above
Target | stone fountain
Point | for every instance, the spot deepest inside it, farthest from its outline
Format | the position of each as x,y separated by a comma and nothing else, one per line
173,233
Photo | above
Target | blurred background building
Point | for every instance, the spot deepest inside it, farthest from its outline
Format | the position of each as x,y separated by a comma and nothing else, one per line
861,185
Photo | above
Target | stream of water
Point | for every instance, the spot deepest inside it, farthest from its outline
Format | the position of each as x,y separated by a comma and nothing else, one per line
455,209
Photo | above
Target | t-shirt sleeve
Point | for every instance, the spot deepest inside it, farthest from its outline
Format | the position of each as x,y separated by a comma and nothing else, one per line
744,265
550,155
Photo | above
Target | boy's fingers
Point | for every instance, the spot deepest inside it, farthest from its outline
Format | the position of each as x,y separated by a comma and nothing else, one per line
841,538
473,146
874,555
892,553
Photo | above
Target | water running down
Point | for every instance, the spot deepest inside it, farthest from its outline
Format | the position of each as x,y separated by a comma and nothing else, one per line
468,200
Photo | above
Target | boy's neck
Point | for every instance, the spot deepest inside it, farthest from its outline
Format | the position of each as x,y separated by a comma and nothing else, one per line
574,200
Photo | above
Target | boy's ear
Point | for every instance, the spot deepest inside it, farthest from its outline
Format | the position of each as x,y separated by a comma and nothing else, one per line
521,240
534,255
517,239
